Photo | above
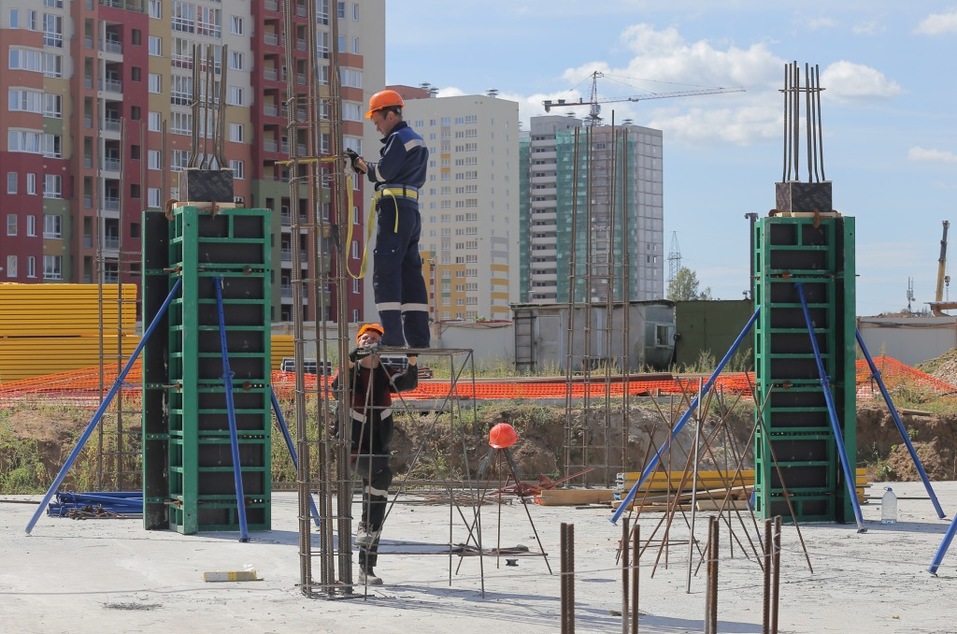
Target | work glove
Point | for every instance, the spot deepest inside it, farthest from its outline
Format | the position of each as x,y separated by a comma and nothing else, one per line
361,353
354,161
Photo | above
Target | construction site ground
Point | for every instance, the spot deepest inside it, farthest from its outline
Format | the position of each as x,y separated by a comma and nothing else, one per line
111,575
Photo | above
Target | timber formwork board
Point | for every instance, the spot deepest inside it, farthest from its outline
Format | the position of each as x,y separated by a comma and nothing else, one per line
795,446
189,437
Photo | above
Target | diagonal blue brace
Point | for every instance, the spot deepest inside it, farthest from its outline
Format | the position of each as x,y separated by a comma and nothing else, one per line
942,549
231,413
58,480
684,419
292,449
900,426
849,479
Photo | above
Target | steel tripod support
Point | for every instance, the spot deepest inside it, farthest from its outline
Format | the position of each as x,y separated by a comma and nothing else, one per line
653,463
117,384
849,478
876,374
231,413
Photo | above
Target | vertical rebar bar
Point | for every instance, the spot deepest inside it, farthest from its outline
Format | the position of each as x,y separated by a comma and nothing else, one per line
625,573
766,556
568,578
776,580
711,592
635,540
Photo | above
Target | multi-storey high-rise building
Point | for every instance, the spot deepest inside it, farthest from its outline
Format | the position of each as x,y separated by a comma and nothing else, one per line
591,212
470,202
101,109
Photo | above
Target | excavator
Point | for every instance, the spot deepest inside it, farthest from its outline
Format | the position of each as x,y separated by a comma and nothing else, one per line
938,306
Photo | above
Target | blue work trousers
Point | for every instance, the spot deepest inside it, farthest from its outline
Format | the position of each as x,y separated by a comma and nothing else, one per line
400,293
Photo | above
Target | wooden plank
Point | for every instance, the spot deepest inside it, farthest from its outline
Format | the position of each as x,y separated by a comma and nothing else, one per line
574,497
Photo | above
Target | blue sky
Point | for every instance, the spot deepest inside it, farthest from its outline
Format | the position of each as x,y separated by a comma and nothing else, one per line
889,109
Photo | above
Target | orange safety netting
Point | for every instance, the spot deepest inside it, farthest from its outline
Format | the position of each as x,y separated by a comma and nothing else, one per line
79,386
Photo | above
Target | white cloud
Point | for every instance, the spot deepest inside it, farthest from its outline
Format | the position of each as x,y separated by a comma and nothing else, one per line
938,23
871,27
820,23
918,153
847,81
742,126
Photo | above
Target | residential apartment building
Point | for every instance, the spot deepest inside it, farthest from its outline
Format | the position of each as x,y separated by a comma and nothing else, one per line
470,202
592,219
100,114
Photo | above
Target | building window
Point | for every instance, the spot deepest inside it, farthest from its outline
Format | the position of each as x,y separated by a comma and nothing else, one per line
155,45
154,122
156,9
137,36
355,12
236,132
11,224
11,182
341,9
52,226
11,266
31,226
236,60
32,184
235,96
155,83
236,25
153,159
238,169
153,197
53,106
52,186
31,266
52,267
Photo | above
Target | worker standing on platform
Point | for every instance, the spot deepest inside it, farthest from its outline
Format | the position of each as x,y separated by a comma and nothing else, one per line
399,288
369,388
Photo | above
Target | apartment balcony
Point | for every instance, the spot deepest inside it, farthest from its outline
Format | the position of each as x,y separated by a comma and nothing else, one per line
270,74
110,164
114,47
544,180
270,110
110,203
543,240
111,86
111,126
271,5
271,39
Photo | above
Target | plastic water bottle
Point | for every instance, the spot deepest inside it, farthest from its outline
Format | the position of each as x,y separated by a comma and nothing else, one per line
889,507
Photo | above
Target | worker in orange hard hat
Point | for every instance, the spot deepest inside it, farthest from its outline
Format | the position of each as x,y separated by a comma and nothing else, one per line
398,176
369,386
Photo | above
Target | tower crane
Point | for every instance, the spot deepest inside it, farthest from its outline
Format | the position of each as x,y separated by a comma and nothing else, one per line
938,306
594,103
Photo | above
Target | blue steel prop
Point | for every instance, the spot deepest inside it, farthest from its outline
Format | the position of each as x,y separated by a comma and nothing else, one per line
119,503
626,501
900,426
942,549
58,480
849,479
231,414
292,450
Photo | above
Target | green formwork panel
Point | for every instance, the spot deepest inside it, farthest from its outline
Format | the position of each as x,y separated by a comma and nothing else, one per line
817,253
232,248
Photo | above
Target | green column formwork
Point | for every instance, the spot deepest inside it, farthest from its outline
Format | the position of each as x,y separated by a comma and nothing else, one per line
817,252
188,467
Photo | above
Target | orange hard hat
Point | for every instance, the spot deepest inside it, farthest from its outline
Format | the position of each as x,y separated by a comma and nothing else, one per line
384,99
374,327
502,436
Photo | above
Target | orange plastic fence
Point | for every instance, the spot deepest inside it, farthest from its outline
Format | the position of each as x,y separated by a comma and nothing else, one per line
80,386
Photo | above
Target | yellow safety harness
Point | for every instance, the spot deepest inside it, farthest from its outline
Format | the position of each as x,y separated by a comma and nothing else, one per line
391,192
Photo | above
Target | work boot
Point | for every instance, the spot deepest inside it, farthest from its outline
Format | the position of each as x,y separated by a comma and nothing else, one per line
367,577
365,537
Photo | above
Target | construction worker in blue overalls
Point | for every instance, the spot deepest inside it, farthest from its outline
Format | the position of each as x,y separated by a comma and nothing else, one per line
399,288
